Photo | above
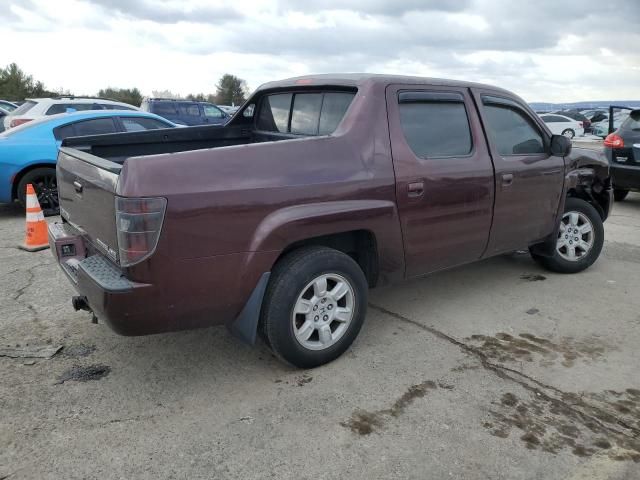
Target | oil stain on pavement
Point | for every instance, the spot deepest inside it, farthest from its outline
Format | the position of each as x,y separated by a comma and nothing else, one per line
364,422
84,374
503,347
550,425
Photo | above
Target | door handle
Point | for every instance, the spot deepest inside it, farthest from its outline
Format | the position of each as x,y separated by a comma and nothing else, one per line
415,189
78,186
507,179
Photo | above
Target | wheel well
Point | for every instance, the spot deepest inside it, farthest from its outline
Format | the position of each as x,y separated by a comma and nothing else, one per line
22,173
358,244
583,194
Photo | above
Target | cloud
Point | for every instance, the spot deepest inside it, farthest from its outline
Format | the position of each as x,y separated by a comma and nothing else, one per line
168,12
375,7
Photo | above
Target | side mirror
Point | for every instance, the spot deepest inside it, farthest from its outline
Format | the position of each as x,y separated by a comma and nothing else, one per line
560,146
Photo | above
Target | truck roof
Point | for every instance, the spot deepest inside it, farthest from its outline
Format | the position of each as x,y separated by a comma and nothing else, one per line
358,79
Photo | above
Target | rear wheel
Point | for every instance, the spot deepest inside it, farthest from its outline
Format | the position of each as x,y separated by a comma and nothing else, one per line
620,194
580,239
45,184
569,133
314,306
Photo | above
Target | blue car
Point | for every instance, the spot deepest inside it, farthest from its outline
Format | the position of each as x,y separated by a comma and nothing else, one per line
28,153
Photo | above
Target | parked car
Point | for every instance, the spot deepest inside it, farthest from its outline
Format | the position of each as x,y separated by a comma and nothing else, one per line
34,108
318,188
7,106
28,153
577,116
604,127
185,112
622,148
3,113
563,125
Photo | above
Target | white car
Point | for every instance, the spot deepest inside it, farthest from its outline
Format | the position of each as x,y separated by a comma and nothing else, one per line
561,125
34,108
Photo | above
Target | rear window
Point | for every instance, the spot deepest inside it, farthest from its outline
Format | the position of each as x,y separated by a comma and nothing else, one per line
111,106
632,122
139,124
24,108
312,114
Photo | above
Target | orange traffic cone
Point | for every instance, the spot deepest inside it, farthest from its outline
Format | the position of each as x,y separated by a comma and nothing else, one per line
36,237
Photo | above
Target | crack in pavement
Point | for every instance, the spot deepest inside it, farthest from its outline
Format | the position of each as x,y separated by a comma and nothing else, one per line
31,277
507,373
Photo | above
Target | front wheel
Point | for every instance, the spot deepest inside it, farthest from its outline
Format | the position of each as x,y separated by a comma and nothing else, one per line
580,239
314,306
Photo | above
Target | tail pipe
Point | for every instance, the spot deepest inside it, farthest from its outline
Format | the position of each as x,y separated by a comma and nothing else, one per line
79,302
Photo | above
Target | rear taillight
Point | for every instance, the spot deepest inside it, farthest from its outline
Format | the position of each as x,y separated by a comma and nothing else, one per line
18,121
614,140
138,225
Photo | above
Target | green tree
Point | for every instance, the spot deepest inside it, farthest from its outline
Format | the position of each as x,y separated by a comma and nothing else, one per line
17,85
132,96
231,90
198,97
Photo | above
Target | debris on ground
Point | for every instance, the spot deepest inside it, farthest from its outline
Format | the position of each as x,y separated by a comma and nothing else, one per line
30,351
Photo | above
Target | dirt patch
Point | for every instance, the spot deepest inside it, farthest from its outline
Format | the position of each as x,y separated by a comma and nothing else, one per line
303,380
532,311
551,425
84,374
364,422
531,277
527,347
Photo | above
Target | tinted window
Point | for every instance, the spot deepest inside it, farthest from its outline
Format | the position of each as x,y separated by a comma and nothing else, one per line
305,116
212,111
632,122
64,131
334,106
96,126
190,109
163,108
511,131
274,113
436,129
24,108
62,107
138,124
548,118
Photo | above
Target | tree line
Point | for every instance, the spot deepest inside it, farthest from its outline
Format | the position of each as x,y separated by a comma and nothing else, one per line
17,85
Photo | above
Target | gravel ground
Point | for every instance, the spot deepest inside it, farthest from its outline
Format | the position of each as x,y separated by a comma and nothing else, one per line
495,370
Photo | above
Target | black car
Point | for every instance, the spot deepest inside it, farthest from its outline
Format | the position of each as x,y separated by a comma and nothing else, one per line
622,148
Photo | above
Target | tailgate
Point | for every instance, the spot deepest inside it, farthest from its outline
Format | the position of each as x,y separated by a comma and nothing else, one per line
86,189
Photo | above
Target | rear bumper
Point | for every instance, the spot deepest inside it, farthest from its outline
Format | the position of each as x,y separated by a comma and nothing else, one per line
625,176
182,295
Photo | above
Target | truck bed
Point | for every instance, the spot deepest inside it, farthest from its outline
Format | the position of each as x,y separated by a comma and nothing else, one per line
117,147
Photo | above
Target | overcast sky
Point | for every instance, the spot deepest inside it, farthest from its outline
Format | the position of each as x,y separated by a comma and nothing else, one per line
544,50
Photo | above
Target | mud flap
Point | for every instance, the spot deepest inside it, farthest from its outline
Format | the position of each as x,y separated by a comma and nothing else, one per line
245,326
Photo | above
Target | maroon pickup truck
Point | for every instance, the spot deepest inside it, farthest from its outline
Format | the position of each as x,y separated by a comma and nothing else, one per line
316,190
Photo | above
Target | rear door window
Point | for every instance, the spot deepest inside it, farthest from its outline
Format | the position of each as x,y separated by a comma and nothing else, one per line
511,130
163,108
189,109
79,107
436,126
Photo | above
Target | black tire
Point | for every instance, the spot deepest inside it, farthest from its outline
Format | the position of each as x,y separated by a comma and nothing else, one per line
569,133
44,182
620,194
557,263
288,280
